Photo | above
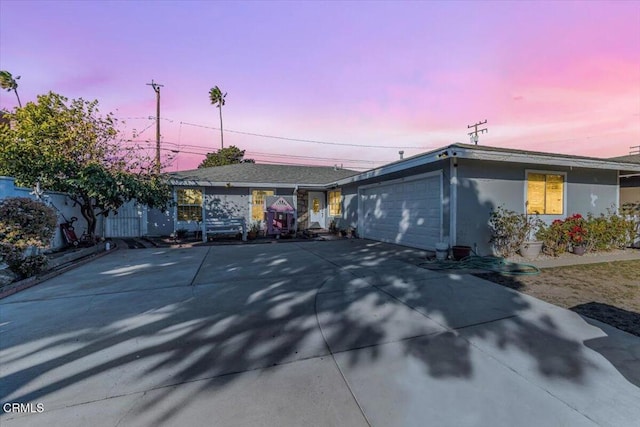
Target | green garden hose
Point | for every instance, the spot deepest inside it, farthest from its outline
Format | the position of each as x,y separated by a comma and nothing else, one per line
489,263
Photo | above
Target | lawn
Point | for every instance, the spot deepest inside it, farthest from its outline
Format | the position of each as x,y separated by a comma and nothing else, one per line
609,292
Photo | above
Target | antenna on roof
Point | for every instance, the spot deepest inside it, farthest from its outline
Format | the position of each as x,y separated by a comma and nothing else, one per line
634,149
474,134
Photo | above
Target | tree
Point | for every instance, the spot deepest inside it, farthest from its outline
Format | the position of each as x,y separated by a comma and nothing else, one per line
69,147
9,83
216,97
225,156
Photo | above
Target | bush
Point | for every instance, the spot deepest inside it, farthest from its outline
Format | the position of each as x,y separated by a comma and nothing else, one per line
597,233
553,238
509,230
25,223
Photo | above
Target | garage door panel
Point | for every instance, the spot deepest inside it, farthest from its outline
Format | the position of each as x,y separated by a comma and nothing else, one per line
407,213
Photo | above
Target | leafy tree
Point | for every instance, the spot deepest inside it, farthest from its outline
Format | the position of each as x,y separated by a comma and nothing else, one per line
225,156
68,146
217,97
9,83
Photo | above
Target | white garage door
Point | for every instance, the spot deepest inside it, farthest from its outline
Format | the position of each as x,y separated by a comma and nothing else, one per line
404,212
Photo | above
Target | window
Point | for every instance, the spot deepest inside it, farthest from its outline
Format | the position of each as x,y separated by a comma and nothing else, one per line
189,204
257,205
545,193
334,203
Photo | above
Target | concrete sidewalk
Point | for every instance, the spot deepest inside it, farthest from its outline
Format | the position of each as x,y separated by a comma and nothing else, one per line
344,333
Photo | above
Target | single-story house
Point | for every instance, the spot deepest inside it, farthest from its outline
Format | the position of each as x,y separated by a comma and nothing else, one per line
444,195
307,194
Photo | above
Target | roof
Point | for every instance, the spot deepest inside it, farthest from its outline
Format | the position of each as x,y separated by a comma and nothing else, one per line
497,154
631,158
254,174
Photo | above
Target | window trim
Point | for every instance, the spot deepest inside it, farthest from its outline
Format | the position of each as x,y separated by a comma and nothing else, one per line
339,204
546,172
201,205
251,204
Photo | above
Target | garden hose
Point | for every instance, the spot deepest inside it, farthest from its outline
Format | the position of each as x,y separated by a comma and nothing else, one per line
489,263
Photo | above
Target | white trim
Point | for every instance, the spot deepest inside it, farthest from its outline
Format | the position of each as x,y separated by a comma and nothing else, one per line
251,190
453,203
477,153
403,179
548,160
618,193
564,189
204,183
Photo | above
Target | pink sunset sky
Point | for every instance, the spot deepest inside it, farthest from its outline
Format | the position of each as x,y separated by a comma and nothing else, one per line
370,78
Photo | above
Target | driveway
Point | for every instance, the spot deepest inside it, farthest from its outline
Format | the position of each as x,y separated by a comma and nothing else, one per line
341,333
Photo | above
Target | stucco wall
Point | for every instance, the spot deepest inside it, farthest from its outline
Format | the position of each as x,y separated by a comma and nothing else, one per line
220,202
160,223
484,185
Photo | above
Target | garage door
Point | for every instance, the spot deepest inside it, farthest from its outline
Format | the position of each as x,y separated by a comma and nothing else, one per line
404,212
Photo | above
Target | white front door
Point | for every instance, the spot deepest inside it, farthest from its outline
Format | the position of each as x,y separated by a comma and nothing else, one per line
317,208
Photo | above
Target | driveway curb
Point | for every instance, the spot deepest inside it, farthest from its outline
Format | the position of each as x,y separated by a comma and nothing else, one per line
29,282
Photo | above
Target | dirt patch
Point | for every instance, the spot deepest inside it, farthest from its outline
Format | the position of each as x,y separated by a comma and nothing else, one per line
608,292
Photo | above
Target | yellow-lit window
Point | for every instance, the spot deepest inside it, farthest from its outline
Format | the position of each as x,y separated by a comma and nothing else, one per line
334,203
189,204
545,193
257,204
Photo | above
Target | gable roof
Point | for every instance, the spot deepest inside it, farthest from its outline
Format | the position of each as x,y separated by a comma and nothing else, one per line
255,174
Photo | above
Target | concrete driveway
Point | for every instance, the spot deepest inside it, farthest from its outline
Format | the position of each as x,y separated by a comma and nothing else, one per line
342,333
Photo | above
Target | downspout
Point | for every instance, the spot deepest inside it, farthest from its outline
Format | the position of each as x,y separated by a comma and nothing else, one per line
453,200
295,209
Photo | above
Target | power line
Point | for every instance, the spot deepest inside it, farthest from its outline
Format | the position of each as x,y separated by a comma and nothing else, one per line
305,140
204,151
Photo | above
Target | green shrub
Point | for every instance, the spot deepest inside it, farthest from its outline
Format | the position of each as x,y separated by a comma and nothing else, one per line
553,238
510,229
604,232
25,223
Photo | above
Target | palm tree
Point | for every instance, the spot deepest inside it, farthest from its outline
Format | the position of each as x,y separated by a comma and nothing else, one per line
8,82
216,97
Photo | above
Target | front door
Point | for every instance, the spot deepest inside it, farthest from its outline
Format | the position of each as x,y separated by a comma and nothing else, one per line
317,208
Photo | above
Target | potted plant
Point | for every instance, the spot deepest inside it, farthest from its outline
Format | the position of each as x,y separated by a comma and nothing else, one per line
531,246
576,233
513,232
252,234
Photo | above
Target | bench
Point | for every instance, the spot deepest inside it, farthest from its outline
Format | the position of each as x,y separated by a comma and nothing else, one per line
225,226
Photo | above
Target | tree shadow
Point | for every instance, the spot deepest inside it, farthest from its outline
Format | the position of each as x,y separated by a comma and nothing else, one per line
250,307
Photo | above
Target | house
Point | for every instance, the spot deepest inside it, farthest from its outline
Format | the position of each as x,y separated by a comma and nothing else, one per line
629,183
447,194
309,193
444,195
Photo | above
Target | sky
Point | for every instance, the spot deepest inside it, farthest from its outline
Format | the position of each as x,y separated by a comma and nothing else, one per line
339,83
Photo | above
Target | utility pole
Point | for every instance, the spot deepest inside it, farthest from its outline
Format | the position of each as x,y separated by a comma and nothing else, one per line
156,88
474,134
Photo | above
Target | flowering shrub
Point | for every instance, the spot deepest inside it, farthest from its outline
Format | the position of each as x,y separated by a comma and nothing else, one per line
596,233
575,229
